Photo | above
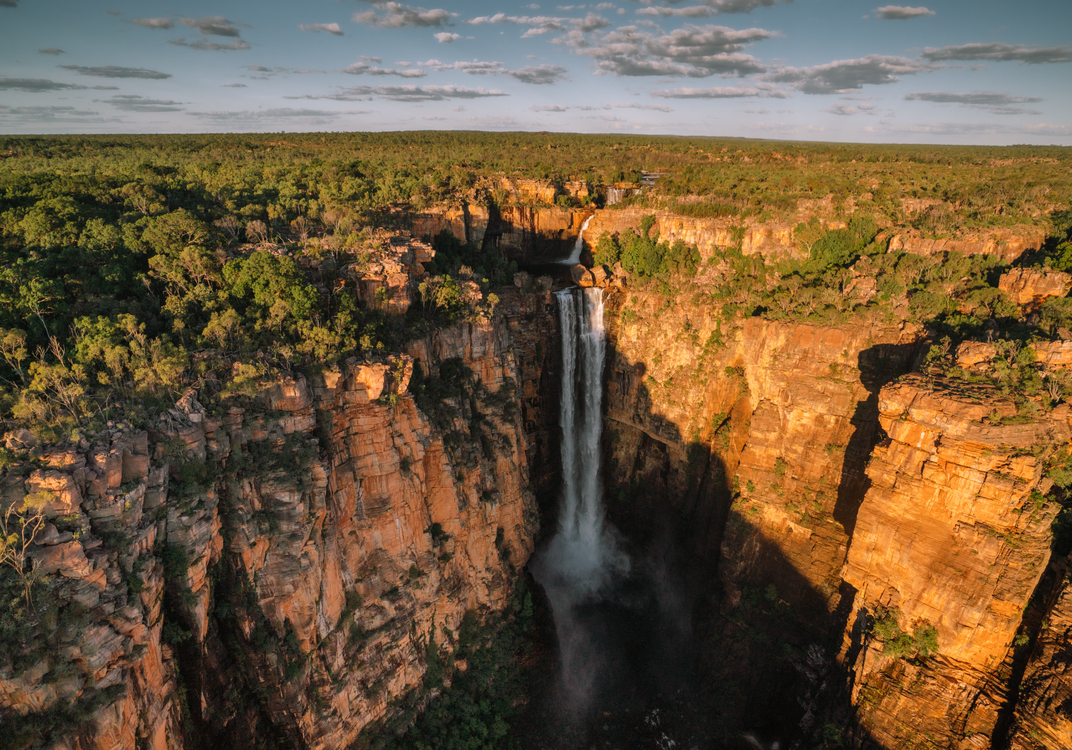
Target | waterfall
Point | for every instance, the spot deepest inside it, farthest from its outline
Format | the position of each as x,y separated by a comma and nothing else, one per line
578,246
583,557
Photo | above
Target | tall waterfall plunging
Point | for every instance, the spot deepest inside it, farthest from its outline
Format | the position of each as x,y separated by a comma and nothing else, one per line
583,557
578,248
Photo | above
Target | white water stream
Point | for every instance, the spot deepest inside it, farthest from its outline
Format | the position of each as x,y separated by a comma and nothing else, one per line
578,248
584,556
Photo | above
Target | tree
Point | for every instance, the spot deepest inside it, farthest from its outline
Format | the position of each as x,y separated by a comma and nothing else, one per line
18,530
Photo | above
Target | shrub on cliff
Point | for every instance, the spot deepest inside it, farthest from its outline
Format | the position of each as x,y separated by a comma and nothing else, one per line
922,642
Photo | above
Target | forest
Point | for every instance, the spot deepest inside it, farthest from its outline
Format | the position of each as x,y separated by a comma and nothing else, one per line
134,269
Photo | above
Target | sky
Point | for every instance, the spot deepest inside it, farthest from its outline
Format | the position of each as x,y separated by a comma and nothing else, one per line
951,71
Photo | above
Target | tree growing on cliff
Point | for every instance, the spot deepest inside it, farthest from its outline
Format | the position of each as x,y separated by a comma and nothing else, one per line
19,527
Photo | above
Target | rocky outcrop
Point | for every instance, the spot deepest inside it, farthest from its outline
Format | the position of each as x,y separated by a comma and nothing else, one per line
953,534
771,240
1030,287
278,566
1007,243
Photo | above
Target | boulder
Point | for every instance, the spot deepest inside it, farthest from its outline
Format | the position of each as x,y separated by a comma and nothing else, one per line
582,276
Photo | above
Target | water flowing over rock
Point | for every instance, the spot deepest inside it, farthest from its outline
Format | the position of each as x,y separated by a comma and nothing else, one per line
583,555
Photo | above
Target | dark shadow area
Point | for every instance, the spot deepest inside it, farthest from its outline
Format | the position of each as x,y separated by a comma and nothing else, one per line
878,366
676,658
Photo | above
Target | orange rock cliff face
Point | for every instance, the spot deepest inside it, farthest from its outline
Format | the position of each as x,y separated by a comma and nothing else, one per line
279,567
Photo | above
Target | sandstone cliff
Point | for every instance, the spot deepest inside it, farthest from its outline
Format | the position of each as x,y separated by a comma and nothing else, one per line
954,534
274,569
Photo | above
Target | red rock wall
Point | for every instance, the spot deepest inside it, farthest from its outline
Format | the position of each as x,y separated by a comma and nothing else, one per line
310,580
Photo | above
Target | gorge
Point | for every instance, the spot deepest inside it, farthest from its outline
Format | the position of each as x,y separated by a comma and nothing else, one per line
795,479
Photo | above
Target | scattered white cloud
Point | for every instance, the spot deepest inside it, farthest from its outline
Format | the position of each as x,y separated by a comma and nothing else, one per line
391,15
534,74
36,85
154,23
901,12
543,24
406,93
360,68
707,9
759,90
212,25
446,37
204,44
995,102
116,71
51,51
998,51
265,117
331,28
540,74
49,115
132,103
979,128
691,51
844,75
848,109
598,107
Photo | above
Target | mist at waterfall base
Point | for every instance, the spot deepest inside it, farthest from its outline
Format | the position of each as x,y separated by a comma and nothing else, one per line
622,628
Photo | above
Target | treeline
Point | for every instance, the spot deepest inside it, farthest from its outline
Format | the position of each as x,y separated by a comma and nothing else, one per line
132,266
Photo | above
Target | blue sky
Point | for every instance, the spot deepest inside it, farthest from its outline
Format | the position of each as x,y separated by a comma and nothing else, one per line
949,71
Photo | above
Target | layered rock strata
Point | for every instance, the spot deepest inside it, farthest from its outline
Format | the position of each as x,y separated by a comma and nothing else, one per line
954,535
275,569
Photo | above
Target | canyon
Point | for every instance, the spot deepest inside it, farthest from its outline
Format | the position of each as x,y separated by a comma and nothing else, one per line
287,563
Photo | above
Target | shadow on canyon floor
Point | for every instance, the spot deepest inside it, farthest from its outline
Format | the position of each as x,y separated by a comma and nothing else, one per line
701,646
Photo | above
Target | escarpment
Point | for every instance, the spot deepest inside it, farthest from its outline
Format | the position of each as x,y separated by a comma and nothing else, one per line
848,441
274,569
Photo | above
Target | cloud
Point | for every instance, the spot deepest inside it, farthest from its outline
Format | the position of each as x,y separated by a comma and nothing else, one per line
760,90
708,8
995,102
37,85
359,69
331,28
154,23
597,107
1000,52
204,44
691,51
848,109
116,71
901,13
446,37
233,85
261,117
131,103
9,3
981,128
544,24
398,16
212,26
51,51
406,93
35,116
539,74
104,88
843,75
534,74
